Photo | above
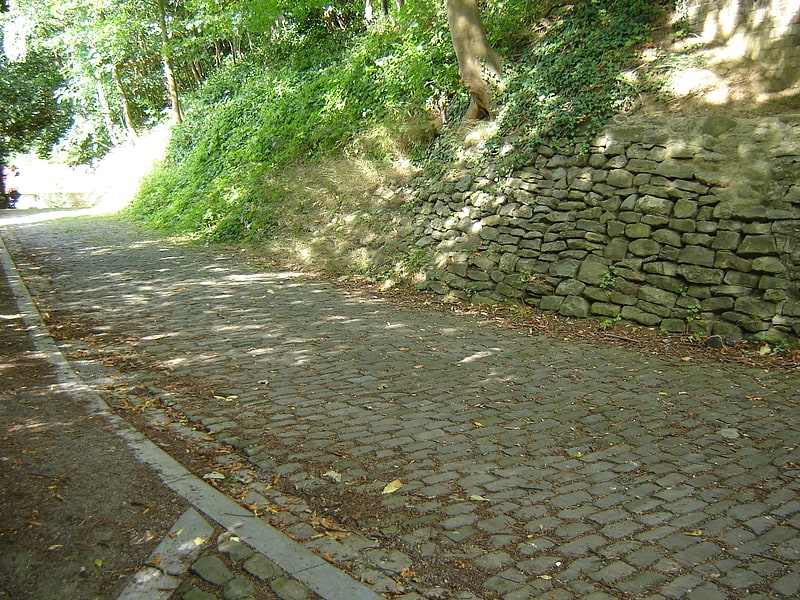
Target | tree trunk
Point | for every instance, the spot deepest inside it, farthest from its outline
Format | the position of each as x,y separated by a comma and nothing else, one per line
127,118
172,85
477,60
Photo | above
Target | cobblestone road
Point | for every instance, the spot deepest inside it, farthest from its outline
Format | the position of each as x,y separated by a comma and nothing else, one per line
531,467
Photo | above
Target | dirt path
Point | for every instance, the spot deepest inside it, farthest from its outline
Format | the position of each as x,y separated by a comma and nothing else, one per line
79,514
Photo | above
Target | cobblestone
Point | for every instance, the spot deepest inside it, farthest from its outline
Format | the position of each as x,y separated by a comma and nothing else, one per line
520,452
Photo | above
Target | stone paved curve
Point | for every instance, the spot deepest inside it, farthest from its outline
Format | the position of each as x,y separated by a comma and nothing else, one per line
531,467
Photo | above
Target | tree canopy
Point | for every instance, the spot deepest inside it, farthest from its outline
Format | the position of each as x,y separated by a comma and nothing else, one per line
257,84
31,115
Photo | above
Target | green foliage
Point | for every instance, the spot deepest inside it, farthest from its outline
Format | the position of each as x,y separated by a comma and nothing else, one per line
568,83
324,84
31,114
609,279
606,323
306,95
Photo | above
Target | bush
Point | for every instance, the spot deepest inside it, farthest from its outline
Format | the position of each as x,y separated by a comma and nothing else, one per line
307,95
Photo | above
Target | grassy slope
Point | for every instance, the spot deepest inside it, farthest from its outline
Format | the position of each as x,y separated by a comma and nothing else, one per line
312,191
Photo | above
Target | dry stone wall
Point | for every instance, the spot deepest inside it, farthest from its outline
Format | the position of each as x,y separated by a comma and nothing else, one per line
686,224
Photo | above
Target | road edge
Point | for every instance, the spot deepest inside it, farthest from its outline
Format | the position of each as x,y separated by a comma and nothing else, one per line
298,562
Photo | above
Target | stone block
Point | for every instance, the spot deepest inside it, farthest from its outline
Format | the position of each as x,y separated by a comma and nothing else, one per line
697,239
551,303
761,228
615,228
669,253
768,264
629,216
555,246
716,125
673,325
644,247
640,165
729,331
655,221
755,307
675,170
605,309
564,268
753,245
592,272
570,287
768,282
614,149
597,160
746,280
638,230
655,206
697,255
669,269
726,240
590,225
621,298
656,295
664,282
490,234
682,225
656,309
632,313
574,306
508,291
709,227
698,274
667,236
620,178
717,304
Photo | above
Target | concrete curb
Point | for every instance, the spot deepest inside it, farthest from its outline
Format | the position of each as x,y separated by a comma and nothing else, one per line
299,563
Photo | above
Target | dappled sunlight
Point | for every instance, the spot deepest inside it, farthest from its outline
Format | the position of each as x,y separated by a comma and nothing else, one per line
478,356
35,426
732,60
52,191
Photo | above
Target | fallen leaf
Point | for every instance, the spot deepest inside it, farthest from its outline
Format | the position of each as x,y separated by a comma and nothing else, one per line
478,424
199,541
696,533
175,534
154,562
275,479
214,475
407,573
478,498
56,546
98,562
392,486
330,524
332,475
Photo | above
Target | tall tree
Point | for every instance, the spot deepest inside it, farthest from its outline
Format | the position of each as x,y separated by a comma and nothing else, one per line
479,65
166,57
31,114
